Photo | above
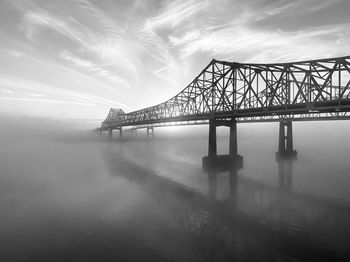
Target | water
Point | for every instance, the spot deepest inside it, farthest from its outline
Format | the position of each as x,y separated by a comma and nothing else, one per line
68,195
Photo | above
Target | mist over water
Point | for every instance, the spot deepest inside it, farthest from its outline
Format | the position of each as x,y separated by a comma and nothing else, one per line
69,195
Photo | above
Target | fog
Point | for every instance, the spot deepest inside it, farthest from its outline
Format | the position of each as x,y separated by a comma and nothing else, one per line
68,194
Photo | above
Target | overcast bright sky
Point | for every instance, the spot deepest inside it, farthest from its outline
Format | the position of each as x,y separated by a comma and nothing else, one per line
78,58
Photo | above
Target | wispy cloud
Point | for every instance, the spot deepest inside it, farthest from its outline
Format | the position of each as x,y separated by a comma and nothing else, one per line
107,43
39,100
186,38
269,45
291,8
28,88
36,95
176,13
92,67
94,49
33,23
7,91
234,37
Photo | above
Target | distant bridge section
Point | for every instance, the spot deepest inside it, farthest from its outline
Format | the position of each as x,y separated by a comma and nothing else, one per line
305,90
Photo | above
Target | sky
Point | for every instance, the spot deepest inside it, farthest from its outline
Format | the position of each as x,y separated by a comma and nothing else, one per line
75,59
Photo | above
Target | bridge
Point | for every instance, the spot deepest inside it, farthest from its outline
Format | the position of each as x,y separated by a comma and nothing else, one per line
227,93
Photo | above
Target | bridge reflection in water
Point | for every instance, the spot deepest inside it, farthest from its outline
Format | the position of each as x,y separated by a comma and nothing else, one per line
255,222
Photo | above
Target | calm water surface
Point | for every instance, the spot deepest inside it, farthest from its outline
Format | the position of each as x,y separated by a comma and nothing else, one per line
72,196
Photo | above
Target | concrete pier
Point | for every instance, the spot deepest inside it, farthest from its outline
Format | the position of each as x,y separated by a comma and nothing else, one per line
222,162
286,155
150,132
120,132
212,147
285,142
233,139
110,133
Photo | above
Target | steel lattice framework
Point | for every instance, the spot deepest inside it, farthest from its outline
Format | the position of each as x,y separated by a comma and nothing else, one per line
115,116
305,90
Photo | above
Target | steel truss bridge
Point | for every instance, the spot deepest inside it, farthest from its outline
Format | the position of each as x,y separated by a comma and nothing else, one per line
305,90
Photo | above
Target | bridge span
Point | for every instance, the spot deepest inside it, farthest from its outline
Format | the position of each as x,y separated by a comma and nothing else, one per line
227,93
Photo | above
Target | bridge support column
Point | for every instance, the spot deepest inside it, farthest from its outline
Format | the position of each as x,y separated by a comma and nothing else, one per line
150,132
285,141
121,133
222,162
233,138
212,148
110,134
286,155
236,159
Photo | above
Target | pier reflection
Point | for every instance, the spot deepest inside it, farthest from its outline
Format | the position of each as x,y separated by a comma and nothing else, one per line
213,186
274,222
285,173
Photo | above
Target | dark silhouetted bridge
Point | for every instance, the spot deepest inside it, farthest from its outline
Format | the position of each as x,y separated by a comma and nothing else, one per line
226,93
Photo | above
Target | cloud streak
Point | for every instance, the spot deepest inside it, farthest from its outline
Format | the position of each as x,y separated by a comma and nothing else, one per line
25,87
271,46
176,14
39,100
138,53
105,47
92,67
